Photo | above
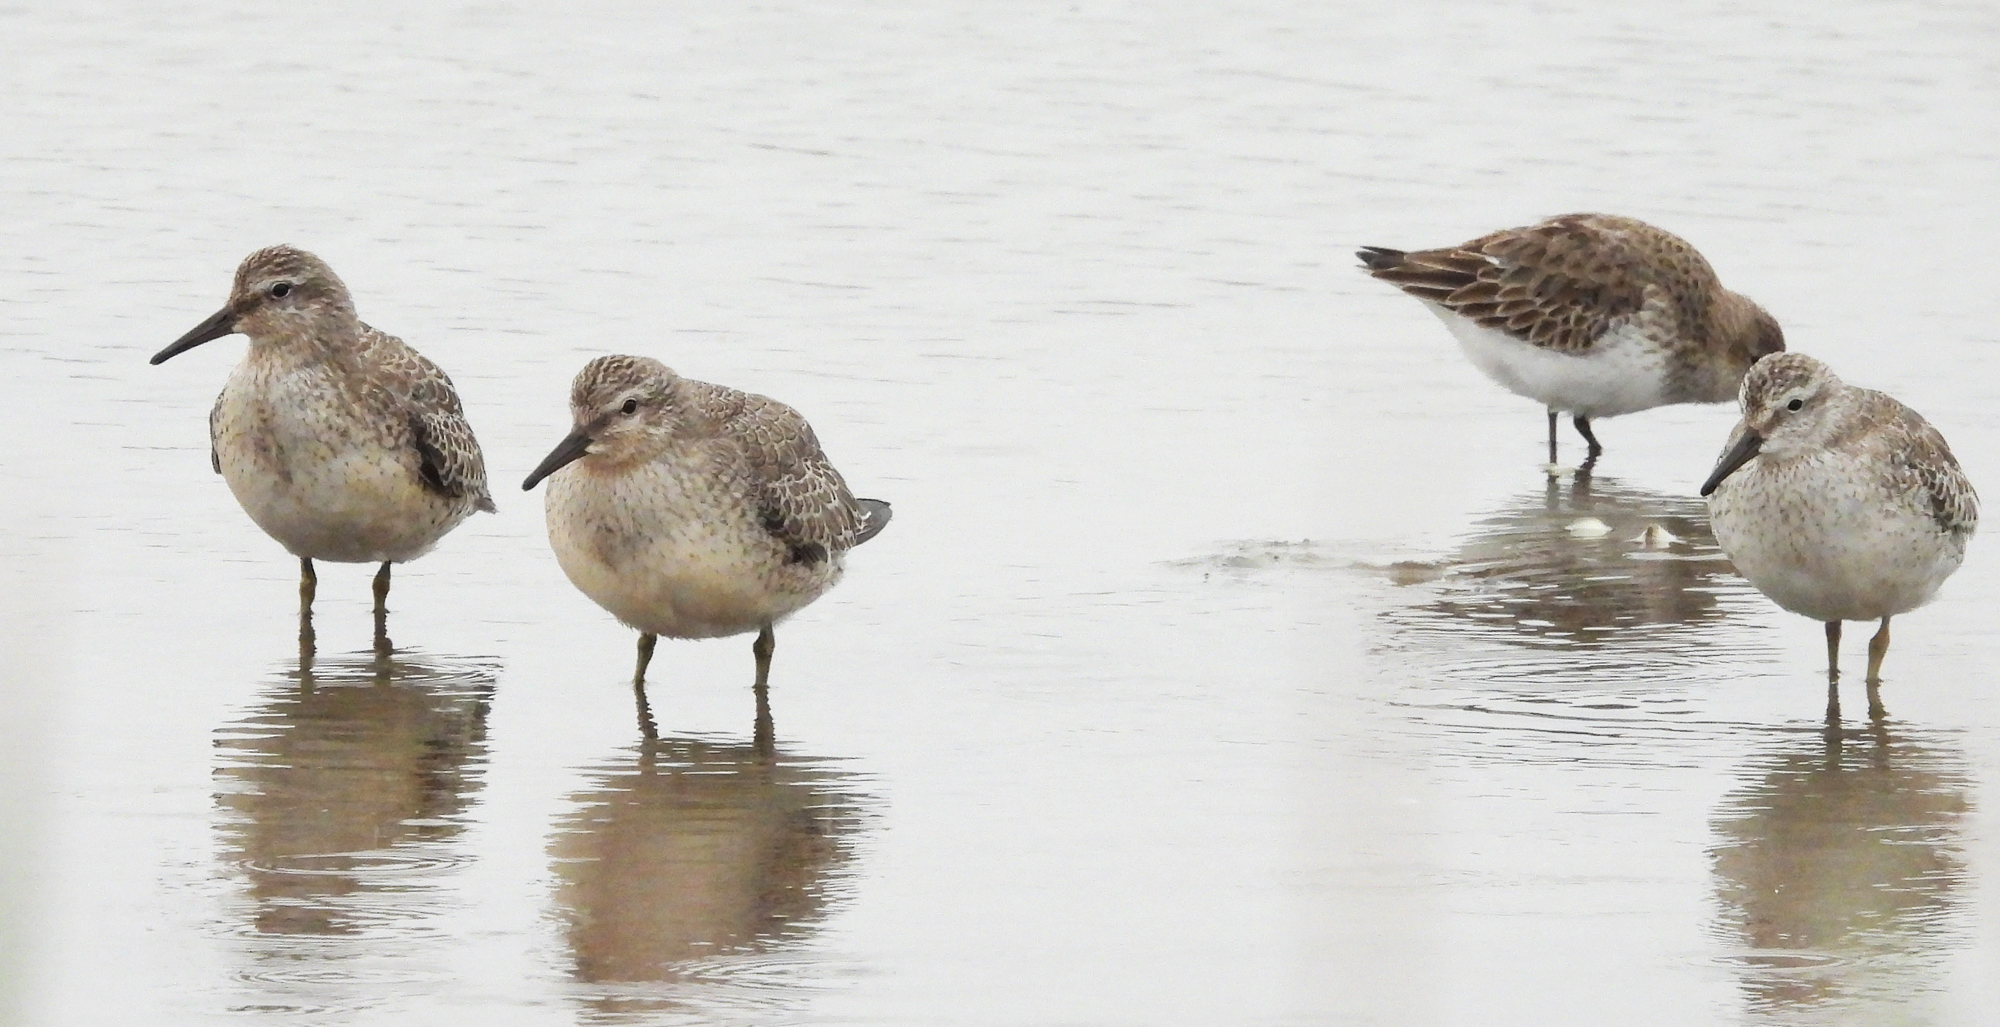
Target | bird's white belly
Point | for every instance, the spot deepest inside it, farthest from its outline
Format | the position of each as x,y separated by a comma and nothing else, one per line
1834,557
682,574
1624,373
324,494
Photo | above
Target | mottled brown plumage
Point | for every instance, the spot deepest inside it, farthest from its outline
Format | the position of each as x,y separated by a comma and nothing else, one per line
693,510
1593,314
1838,502
340,441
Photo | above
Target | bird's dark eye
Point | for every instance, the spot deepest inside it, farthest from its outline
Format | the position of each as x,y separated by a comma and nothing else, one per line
631,407
1795,404
281,290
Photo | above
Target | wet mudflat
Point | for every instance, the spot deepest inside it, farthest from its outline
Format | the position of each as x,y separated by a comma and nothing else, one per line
1229,660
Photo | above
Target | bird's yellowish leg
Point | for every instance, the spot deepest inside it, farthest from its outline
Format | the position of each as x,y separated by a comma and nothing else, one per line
762,648
308,584
646,642
763,738
1878,647
647,728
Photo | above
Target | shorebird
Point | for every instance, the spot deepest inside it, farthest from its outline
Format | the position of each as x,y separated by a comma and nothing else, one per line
1838,502
1590,314
692,510
341,442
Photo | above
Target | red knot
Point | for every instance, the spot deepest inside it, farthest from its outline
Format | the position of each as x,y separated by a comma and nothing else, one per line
341,442
692,510
1838,502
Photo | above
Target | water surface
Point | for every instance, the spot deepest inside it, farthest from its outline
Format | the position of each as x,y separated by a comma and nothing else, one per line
1230,658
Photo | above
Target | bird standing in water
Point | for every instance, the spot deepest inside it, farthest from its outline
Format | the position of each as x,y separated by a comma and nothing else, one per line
341,442
1839,503
692,510
1590,314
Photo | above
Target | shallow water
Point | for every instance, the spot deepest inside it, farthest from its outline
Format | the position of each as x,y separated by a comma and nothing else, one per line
1229,660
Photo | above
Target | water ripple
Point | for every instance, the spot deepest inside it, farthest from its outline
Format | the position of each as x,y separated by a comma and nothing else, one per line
1590,585
341,795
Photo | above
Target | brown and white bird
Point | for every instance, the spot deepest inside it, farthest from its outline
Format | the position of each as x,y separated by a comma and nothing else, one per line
1838,502
341,442
692,510
1590,314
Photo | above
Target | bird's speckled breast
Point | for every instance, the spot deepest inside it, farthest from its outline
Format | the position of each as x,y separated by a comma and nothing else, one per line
318,474
1824,540
673,547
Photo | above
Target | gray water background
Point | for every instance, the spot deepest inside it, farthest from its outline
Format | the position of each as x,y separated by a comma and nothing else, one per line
1229,660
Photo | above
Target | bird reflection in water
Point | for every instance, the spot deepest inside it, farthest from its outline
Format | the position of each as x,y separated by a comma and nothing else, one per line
1839,873
344,790
1591,555
1589,564
690,863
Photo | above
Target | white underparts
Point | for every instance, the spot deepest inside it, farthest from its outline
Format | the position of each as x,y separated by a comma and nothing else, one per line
1623,373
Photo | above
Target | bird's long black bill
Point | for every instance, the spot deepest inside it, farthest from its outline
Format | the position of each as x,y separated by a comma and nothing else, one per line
219,324
1738,455
566,451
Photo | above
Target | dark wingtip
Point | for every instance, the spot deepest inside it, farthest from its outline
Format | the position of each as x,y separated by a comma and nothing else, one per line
1379,258
875,514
